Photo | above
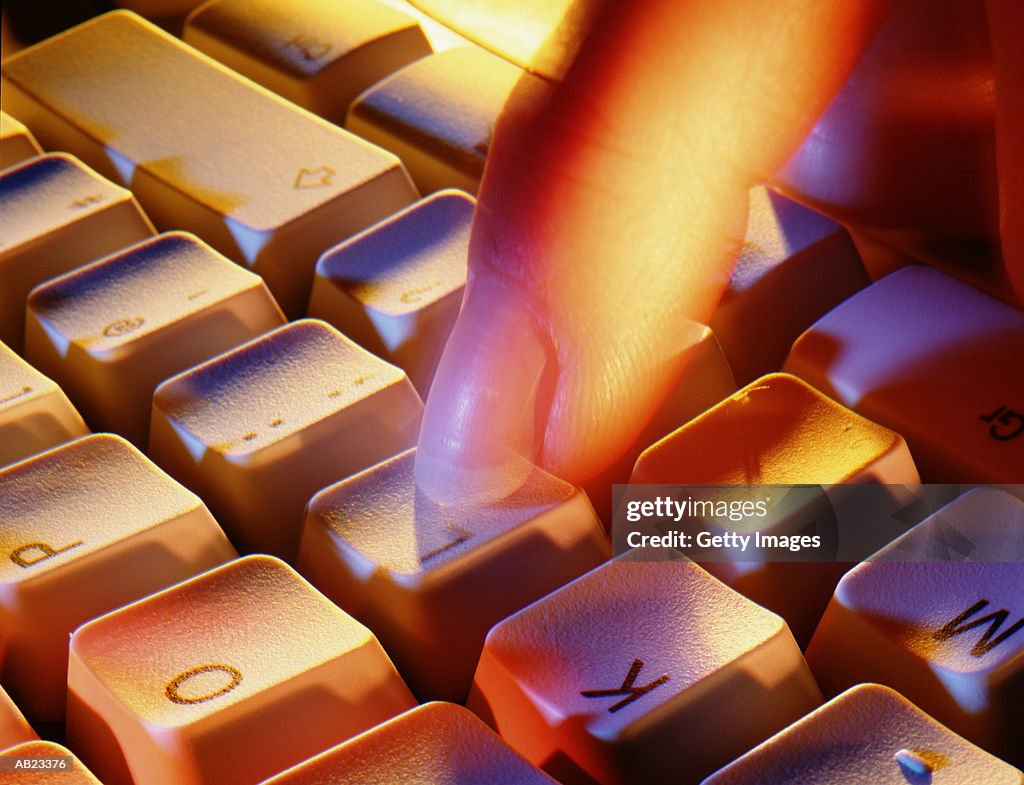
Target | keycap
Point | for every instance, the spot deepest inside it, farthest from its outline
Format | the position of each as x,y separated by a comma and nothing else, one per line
118,529
432,579
779,431
16,142
61,768
35,414
14,728
227,678
603,679
939,616
868,734
933,359
438,114
795,266
110,332
316,53
257,431
272,201
437,743
57,215
396,288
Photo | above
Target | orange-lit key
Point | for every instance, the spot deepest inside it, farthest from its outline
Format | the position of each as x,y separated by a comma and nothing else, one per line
21,766
608,678
14,728
431,580
939,616
272,200
934,359
228,678
438,114
110,332
779,430
317,53
869,734
57,214
87,527
259,430
438,743
35,415
16,142
795,266
396,288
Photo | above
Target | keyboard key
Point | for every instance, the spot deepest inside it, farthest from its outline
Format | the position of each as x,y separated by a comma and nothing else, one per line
272,201
14,728
118,529
438,115
795,266
16,142
35,415
259,430
939,616
869,734
431,579
598,681
68,771
316,53
933,359
228,678
779,431
438,743
110,332
57,215
396,288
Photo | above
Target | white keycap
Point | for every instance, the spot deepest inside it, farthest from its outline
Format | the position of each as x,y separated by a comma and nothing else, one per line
16,142
230,677
933,359
110,332
431,580
14,728
87,527
869,734
55,215
63,768
939,616
318,54
794,267
438,115
35,414
396,288
203,149
259,430
601,680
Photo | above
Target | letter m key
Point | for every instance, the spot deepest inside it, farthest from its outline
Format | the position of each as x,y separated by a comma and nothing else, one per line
990,638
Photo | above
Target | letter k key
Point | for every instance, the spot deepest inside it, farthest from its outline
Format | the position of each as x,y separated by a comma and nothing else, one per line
627,688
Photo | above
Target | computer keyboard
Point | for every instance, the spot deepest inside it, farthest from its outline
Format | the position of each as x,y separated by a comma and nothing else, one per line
233,242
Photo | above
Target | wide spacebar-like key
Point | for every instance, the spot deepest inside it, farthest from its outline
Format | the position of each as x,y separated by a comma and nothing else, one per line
266,183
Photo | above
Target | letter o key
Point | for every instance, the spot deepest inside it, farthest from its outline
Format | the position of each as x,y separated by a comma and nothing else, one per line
172,690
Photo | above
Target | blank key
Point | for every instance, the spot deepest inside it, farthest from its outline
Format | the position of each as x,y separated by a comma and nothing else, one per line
438,115
869,734
119,526
35,414
609,678
177,128
396,288
63,768
16,142
110,332
57,214
317,53
431,579
939,616
259,430
14,728
228,678
438,743
933,359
